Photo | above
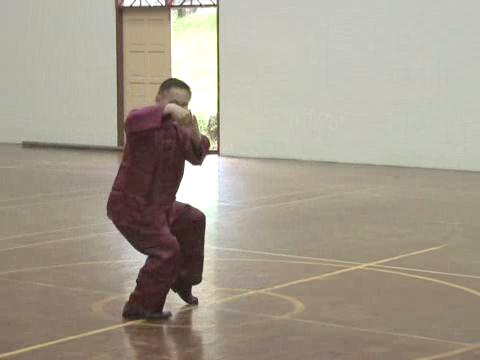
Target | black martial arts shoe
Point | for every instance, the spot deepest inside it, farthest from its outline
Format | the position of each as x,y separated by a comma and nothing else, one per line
133,312
185,294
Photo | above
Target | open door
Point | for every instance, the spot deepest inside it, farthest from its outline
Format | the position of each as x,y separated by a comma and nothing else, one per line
146,54
144,57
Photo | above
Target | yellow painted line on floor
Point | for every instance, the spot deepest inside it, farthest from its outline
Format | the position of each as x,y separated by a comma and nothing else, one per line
330,274
429,279
72,238
33,204
449,354
60,266
308,199
255,252
330,262
51,194
433,272
67,339
220,301
54,286
282,261
38,233
351,328
383,269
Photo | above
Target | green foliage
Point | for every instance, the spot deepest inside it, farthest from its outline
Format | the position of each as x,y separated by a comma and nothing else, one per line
194,60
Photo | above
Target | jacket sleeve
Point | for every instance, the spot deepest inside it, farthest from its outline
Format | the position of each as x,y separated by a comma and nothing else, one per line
140,161
193,154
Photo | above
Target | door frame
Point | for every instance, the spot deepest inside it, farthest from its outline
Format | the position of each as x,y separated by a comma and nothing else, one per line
121,78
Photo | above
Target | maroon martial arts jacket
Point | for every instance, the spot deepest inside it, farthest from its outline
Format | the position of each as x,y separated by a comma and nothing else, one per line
151,169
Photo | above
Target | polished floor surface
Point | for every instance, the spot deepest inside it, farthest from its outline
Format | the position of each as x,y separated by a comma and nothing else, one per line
303,261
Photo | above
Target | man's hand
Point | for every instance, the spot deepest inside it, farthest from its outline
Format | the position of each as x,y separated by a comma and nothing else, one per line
185,119
181,115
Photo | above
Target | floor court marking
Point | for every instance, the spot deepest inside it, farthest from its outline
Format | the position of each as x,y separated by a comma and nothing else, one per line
53,286
61,168
71,338
477,277
245,202
60,266
8,167
449,354
334,273
255,252
341,262
51,194
354,328
224,300
72,238
67,339
269,197
299,201
373,268
20,236
466,276
236,204
116,295
81,197
297,308
283,262
233,204
324,262
98,307
233,212
319,261
425,278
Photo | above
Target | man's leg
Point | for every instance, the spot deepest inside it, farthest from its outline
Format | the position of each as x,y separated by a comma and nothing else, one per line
188,226
156,276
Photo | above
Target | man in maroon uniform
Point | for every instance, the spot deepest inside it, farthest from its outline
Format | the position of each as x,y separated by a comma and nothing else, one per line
142,203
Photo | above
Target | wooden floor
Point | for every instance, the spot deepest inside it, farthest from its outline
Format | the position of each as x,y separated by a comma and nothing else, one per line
303,261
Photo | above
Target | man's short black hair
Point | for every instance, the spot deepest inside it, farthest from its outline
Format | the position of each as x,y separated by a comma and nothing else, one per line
174,83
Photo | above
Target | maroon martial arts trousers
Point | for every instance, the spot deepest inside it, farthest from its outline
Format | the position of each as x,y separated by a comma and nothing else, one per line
175,255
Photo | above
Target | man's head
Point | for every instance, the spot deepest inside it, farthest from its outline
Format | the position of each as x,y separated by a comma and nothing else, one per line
174,91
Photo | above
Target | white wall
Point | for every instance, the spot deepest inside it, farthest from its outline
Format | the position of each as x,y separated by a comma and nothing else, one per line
374,81
58,71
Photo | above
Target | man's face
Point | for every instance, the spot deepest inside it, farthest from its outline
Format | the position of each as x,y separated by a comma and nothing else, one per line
174,95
